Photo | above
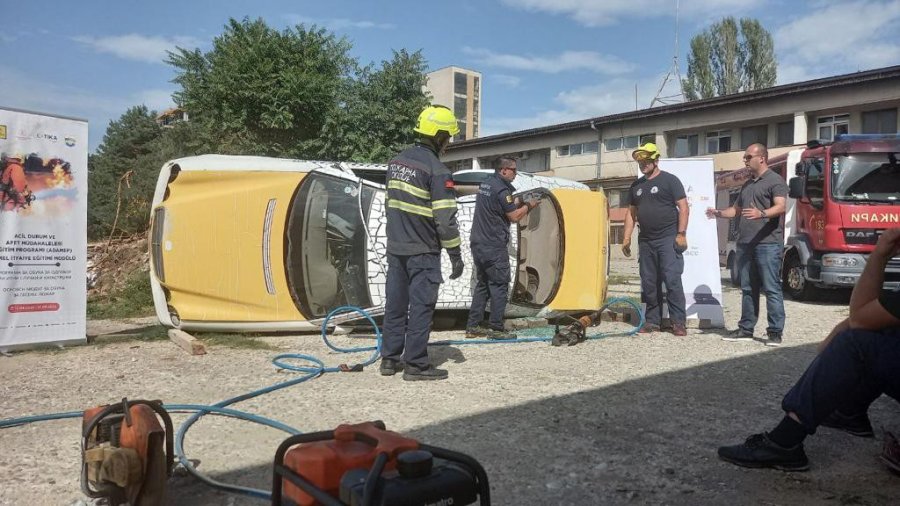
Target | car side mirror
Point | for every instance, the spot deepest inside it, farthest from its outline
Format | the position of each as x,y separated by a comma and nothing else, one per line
796,187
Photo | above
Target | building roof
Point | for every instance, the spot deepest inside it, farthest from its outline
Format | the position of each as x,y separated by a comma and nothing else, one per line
709,103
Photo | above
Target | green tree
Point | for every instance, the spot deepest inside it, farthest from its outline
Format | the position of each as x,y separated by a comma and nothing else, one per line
374,119
127,139
730,57
267,92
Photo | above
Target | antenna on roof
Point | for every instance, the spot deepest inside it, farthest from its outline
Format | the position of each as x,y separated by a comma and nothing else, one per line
673,74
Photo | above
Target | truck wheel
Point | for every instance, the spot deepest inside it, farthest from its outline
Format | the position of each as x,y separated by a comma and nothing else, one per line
733,271
795,284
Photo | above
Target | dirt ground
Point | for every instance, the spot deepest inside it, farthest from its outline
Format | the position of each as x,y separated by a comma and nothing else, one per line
618,420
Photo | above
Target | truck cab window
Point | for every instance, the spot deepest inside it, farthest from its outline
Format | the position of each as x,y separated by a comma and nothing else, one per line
815,182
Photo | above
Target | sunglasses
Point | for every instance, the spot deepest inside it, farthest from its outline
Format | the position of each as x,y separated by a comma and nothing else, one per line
749,157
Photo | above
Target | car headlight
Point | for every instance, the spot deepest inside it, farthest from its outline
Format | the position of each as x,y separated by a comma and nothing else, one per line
842,261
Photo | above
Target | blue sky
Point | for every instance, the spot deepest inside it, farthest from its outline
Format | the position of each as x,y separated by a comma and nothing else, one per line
543,61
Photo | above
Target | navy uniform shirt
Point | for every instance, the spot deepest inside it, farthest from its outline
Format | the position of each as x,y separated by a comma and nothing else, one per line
655,199
490,227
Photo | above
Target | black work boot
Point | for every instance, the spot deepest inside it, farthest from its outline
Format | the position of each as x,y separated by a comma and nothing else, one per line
476,333
429,373
773,339
738,335
760,451
856,425
390,367
501,335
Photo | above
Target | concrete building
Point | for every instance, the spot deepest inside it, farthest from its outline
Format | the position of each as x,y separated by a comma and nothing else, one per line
458,89
597,151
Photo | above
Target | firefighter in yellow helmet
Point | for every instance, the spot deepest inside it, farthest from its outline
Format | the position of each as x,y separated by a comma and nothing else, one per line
14,192
421,220
658,204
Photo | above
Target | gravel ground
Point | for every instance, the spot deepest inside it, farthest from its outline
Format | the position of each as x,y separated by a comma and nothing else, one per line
619,420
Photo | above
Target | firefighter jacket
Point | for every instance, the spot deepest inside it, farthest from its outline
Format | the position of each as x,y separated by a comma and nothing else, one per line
421,204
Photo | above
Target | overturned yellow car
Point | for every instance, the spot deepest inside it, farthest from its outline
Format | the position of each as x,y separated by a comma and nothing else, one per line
244,243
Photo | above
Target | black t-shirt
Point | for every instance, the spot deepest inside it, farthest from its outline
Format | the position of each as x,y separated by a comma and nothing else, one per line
760,194
890,300
655,199
490,226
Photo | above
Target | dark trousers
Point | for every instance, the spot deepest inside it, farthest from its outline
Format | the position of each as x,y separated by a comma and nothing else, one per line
759,268
492,274
659,263
854,370
411,294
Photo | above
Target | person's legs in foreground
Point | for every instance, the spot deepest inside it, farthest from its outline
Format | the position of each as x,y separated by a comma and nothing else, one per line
424,281
768,264
854,360
396,311
648,264
747,273
479,298
671,265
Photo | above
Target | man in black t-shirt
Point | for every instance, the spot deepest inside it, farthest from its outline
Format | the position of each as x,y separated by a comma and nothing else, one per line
857,363
658,204
495,209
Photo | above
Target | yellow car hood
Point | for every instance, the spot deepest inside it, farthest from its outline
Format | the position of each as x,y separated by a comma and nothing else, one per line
215,255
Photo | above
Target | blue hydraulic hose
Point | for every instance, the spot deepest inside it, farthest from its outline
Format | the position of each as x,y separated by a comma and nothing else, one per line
317,368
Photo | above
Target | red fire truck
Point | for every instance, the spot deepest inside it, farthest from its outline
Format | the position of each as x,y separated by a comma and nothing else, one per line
843,194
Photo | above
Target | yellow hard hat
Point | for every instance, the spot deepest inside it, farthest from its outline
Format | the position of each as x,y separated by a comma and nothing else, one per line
648,151
434,119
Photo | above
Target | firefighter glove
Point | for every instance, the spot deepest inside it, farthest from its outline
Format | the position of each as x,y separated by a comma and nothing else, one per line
456,261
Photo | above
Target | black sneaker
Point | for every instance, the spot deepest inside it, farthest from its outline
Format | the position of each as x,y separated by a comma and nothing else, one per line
855,425
773,339
738,335
759,451
390,367
429,373
500,335
476,333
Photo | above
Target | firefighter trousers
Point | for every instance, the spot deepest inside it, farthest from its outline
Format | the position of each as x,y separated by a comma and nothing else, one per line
411,294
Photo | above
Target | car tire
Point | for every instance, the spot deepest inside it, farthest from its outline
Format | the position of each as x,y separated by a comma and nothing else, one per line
794,281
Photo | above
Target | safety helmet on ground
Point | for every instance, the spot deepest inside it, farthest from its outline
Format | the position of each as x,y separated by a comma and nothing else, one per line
648,151
434,119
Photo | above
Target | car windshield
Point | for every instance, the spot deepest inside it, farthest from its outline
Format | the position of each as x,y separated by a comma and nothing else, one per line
869,177
326,245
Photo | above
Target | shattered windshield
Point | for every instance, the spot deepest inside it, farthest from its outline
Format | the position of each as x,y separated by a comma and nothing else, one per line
867,177
326,245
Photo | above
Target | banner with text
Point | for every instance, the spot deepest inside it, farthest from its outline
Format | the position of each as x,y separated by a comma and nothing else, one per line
702,281
43,228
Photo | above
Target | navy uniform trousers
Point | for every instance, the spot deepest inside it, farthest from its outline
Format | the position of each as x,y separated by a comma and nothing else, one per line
659,263
492,273
854,370
411,294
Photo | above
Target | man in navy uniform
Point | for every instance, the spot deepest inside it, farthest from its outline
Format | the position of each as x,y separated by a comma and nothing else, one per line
421,220
495,209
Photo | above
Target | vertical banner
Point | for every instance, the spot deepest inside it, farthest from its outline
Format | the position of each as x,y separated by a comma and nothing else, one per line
702,281
43,229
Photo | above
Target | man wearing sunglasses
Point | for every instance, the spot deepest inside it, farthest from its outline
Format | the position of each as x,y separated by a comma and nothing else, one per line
658,204
760,246
495,209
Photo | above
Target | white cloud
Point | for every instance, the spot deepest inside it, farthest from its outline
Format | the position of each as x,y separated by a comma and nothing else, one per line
565,61
611,97
609,12
338,23
137,47
22,91
505,80
860,35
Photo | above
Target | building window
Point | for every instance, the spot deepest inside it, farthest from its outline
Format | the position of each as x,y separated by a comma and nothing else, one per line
880,122
476,86
577,149
687,145
562,150
459,108
613,144
616,233
718,141
831,126
754,134
459,83
785,134
631,142
645,138
590,147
